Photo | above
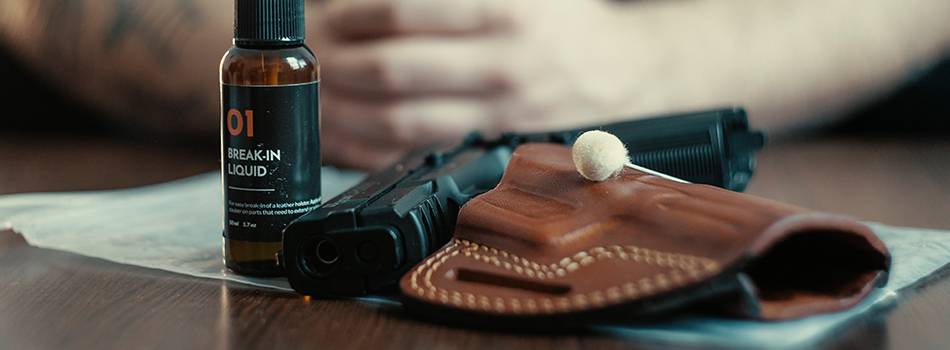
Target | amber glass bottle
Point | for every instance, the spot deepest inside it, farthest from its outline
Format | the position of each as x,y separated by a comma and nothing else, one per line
270,118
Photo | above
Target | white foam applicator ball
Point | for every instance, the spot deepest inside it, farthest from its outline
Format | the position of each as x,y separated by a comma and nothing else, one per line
599,155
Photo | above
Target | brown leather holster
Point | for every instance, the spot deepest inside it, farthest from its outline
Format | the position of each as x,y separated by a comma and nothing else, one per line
547,243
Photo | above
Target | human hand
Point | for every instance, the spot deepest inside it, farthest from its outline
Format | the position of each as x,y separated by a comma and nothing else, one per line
399,74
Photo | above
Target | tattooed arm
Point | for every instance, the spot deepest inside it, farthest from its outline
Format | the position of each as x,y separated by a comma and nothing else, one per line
147,63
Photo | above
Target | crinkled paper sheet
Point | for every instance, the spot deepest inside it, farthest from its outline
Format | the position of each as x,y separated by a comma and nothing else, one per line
177,226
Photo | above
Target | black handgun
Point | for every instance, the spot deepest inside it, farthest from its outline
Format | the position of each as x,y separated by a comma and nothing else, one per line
364,239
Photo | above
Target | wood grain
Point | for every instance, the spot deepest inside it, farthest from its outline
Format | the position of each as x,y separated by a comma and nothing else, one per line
52,299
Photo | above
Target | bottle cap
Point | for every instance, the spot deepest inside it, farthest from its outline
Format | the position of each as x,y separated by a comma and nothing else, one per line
269,22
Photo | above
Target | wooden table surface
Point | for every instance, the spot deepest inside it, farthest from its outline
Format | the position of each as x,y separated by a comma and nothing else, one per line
51,299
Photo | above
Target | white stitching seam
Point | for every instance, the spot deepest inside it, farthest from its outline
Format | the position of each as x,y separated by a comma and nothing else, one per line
694,268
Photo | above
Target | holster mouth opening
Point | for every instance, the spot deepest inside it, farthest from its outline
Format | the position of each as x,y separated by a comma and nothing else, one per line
813,262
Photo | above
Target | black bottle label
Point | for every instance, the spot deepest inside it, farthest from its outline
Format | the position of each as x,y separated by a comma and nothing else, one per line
270,158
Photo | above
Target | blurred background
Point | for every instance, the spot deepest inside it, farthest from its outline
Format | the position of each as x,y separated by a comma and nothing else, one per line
398,74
